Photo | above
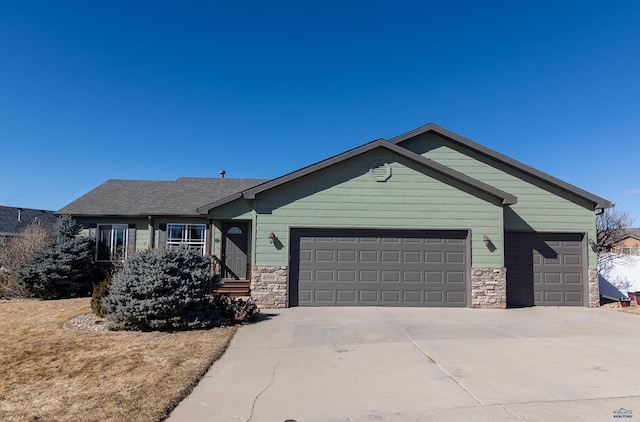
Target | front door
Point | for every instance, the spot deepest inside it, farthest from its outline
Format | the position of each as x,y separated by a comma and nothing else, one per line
235,247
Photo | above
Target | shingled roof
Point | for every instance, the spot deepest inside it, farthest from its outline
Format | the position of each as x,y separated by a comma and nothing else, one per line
632,231
14,219
155,197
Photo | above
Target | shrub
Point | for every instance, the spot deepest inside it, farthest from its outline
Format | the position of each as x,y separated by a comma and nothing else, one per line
163,289
9,288
64,267
100,291
236,310
19,250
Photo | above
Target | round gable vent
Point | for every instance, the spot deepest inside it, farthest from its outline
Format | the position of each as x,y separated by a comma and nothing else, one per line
380,171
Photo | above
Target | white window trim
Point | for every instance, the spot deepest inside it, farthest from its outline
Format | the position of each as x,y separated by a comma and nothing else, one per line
184,241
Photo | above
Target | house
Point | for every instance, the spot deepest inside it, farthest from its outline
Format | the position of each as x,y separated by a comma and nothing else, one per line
428,218
628,243
13,220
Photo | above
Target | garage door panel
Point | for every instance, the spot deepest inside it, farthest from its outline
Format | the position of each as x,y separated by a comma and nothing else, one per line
411,277
433,257
325,296
388,268
390,256
390,296
455,257
370,296
573,278
324,276
545,269
347,295
455,277
346,256
304,295
434,298
412,296
368,256
412,257
346,276
572,260
573,297
455,297
368,276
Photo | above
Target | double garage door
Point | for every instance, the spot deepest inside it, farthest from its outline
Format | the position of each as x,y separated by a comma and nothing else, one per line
378,268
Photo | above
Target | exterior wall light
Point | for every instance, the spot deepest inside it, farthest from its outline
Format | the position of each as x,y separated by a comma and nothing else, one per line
486,240
272,237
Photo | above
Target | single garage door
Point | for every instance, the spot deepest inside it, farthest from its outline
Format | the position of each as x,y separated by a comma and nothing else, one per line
378,268
544,269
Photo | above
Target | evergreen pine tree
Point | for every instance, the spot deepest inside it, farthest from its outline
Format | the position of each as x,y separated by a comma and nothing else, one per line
163,289
65,267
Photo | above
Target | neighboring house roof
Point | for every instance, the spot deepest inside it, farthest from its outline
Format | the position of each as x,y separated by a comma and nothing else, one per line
431,127
14,219
630,232
250,193
181,197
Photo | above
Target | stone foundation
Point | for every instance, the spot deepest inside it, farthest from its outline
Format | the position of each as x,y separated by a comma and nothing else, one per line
594,288
269,286
489,288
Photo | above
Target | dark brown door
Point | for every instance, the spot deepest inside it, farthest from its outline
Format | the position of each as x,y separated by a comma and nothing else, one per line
235,247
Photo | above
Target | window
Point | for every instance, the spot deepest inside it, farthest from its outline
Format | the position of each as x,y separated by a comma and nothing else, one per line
234,230
192,236
111,242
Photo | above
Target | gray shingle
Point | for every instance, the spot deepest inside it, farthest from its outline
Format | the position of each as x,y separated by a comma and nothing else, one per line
9,222
155,197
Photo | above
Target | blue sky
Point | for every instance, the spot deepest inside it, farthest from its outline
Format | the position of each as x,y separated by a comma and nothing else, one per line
93,90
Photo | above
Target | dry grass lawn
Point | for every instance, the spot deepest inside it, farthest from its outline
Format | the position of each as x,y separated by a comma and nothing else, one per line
52,374
634,308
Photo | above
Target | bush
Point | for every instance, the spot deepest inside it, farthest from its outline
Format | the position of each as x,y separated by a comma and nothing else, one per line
235,310
19,250
8,287
100,291
64,267
163,289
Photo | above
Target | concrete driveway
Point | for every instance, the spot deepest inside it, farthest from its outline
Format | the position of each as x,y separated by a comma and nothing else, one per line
406,364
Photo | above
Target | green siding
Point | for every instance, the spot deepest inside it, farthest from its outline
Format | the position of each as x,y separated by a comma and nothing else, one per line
239,209
541,207
345,195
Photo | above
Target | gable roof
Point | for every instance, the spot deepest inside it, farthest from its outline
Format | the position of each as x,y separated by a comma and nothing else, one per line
250,193
630,232
154,197
10,224
598,202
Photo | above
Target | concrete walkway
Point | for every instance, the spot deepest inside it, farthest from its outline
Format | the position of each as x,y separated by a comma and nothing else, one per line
406,364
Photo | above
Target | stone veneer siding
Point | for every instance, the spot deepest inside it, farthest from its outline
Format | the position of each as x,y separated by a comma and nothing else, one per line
489,288
269,291
594,288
